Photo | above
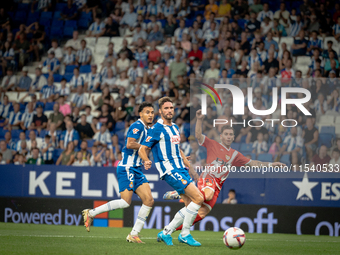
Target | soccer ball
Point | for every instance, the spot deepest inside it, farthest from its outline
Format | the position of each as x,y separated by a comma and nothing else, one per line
234,238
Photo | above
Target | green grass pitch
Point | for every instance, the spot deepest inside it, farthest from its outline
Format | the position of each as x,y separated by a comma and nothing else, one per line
48,239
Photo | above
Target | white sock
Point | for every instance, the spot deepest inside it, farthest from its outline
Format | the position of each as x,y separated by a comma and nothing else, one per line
175,223
112,205
190,215
142,216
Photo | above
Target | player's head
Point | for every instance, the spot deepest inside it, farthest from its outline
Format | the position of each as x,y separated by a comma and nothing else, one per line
227,135
146,112
166,108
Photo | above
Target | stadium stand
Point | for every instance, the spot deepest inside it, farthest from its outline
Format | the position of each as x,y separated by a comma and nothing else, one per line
125,58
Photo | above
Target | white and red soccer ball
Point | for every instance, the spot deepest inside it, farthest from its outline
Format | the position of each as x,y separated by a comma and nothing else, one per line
234,238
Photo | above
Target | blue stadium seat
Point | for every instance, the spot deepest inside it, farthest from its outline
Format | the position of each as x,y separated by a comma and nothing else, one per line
57,78
328,130
46,75
325,139
23,7
68,77
2,133
46,15
83,23
32,17
163,22
56,154
120,135
85,69
57,24
60,6
189,22
285,159
56,32
241,23
266,157
46,23
69,69
246,148
20,17
16,133
71,23
68,32
49,106
43,132
90,143
236,146
120,125
57,15
253,156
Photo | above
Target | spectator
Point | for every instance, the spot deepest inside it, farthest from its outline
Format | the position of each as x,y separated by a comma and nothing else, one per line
109,158
70,57
300,45
111,28
57,50
64,108
103,137
84,54
310,136
275,148
170,26
7,58
278,29
154,54
106,118
97,28
167,9
269,41
292,145
260,146
282,15
47,93
69,135
47,150
70,11
155,35
335,160
84,128
14,118
320,104
321,158
123,63
265,13
254,131
51,64
129,19
35,159
80,161
66,158
56,117
296,26
39,121
6,154
177,68
153,9
210,8
39,81
79,99
231,198
76,81
74,43
23,48
212,72
180,31
9,81
24,82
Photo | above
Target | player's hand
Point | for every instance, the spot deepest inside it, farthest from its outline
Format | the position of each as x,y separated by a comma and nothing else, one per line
147,164
278,164
199,115
188,158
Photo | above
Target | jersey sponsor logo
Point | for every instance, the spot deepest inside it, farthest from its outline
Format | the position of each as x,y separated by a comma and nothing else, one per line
135,130
176,139
148,139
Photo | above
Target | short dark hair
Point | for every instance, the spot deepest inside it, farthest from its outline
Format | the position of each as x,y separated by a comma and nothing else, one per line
47,136
227,127
143,105
164,100
232,190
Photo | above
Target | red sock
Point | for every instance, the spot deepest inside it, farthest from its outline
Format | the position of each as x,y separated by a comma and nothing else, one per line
197,219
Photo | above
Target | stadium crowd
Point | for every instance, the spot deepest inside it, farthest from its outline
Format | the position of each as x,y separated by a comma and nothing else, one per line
74,104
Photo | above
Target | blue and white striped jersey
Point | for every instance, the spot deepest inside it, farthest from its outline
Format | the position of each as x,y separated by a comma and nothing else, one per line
295,28
293,142
130,157
168,10
96,28
103,138
53,63
48,155
76,81
164,142
84,55
14,118
5,109
336,29
48,91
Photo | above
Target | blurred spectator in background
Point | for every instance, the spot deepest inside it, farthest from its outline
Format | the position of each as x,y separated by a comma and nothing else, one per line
35,159
321,158
24,81
39,121
47,150
66,158
80,161
70,11
70,135
231,198
9,81
7,154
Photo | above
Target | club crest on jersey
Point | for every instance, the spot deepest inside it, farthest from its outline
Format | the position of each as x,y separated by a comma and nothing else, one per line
176,139
131,185
184,181
148,139
227,157
208,182
135,130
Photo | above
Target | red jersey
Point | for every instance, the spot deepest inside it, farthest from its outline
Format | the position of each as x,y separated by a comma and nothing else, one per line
221,158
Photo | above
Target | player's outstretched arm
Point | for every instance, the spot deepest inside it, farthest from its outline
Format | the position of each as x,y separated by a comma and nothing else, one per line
185,160
143,152
268,164
198,128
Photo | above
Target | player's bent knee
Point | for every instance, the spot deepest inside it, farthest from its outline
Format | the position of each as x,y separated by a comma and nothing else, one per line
124,204
198,199
149,202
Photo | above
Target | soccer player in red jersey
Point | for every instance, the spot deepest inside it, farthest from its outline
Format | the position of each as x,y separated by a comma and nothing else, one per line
220,157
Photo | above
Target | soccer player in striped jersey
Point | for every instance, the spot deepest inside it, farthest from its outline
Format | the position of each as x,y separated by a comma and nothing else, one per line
163,139
130,176
211,182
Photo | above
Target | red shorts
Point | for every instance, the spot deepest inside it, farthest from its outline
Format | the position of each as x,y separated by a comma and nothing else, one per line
208,183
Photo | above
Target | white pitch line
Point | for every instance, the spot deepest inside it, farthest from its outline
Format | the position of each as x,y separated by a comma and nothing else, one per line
207,239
